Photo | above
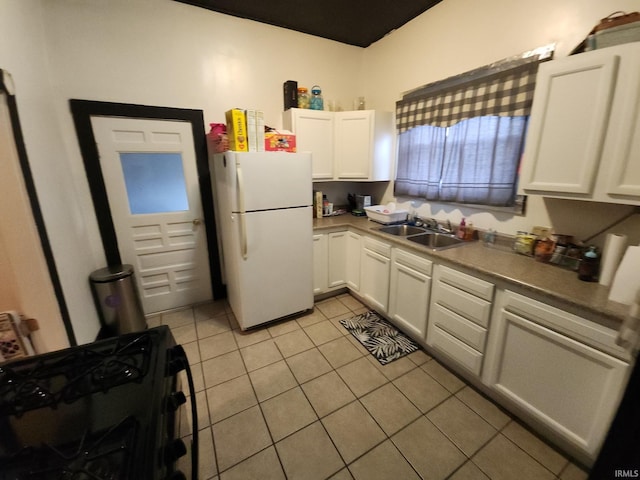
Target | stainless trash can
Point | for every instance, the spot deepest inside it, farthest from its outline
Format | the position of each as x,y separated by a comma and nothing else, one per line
116,296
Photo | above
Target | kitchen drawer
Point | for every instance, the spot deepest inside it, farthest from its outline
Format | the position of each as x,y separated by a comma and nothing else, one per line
382,248
461,328
578,328
462,303
465,282
414,262
457,350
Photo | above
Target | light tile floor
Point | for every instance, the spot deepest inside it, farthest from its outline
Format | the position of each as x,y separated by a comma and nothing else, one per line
302,399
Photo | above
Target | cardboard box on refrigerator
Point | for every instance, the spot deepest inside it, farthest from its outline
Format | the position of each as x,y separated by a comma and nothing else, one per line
237,130
279,141
251,130
260,130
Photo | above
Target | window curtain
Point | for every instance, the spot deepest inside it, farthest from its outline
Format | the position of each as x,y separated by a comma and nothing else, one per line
481,160
451,133
493,90
420,177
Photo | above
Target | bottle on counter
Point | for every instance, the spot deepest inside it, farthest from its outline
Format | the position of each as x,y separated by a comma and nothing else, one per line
303,97
589,265
462,229
469,232
316,102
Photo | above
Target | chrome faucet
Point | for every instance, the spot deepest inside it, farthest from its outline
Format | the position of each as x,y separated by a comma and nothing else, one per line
433,224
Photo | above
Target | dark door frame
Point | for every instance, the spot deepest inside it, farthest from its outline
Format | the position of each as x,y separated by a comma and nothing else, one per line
83,110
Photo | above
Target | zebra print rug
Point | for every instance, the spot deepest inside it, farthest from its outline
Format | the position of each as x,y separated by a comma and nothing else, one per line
384,341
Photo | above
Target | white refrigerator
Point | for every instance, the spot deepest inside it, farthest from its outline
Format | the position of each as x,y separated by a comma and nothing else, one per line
265,222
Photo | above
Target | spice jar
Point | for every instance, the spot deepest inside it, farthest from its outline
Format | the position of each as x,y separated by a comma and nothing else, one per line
316,98
543,249
303,97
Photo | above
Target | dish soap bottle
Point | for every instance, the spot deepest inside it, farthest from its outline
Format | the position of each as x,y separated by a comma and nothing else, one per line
462,229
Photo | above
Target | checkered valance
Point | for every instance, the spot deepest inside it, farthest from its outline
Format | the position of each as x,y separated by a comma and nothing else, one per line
507,90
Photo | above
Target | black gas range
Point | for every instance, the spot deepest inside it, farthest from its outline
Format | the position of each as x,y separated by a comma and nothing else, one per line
106,410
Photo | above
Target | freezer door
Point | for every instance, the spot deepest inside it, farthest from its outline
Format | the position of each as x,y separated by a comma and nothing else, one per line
275,279
269,180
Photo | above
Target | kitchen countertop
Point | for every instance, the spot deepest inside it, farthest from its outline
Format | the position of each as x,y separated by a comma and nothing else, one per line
507,268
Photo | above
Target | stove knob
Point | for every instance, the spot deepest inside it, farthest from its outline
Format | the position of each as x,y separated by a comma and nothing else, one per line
177,360
175,400
174,451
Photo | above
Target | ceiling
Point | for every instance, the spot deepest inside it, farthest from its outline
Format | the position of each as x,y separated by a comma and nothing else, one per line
354,22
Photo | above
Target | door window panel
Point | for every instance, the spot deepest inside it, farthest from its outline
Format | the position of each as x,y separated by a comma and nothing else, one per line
155,182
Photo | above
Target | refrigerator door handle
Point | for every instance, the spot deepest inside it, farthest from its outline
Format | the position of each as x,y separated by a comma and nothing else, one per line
243,220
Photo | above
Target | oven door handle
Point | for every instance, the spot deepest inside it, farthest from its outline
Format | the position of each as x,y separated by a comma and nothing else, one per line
179,362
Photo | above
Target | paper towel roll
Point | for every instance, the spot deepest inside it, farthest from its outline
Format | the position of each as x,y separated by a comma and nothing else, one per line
626,282
614,247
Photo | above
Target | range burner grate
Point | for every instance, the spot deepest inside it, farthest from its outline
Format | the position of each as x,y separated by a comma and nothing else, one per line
27,385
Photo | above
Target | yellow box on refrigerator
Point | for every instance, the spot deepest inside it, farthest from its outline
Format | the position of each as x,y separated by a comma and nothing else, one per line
237,130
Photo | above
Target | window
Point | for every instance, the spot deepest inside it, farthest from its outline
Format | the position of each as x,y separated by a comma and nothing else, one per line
155,182
460,140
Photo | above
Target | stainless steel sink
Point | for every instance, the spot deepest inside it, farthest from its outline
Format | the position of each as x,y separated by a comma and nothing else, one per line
402,230
430,239
436,241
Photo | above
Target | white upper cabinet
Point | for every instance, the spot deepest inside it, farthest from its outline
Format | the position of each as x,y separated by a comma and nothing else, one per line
569,122
363,145
624,132
584,131
350,146
314,133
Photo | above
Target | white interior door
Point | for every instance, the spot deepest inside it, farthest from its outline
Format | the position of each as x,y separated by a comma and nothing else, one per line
150,175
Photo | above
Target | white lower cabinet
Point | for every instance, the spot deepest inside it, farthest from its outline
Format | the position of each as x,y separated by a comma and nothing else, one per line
353,252
409,291
337,259
374,273
459,317
330,266
561,369
320,263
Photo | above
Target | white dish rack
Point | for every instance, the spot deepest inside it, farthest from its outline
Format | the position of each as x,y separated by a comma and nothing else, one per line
386,214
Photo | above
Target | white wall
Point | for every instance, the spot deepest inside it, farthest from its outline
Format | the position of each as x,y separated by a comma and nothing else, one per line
160,52
153,52
459,35
26,285
22,53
